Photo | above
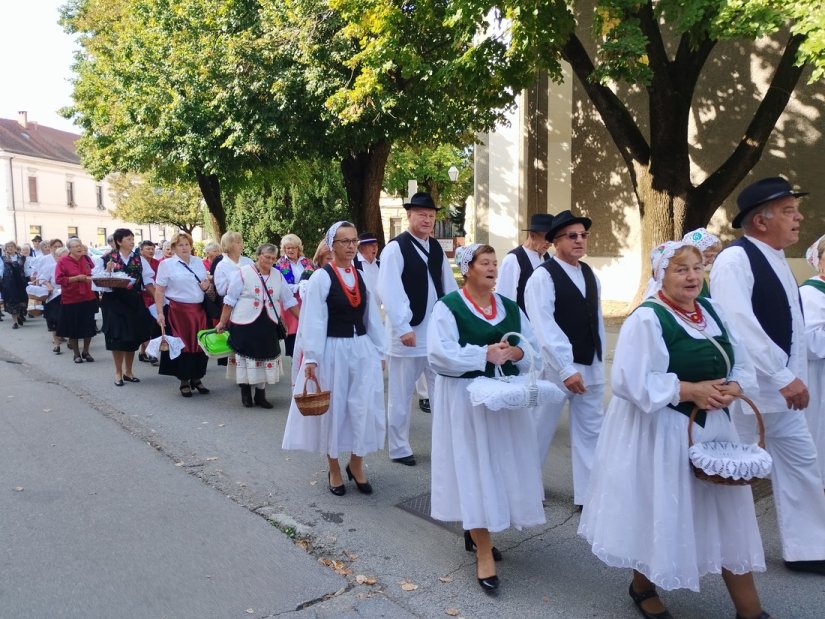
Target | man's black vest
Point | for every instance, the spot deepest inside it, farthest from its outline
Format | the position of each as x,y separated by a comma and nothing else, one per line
770,302
414,274
525,271
344,320
360,265
577,315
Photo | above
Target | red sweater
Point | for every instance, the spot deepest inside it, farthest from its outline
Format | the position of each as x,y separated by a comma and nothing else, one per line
74,292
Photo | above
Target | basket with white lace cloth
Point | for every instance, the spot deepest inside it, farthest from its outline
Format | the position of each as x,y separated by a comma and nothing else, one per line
513,392
727,463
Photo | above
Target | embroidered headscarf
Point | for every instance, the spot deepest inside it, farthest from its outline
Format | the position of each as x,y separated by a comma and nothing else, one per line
660,258
464,256
701,238
331,232
812,254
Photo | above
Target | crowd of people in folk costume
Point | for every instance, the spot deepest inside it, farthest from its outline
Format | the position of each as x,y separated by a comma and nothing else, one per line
715,324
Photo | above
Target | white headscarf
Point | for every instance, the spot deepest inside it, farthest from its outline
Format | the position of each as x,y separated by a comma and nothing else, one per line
660,258
331,232
464,256
812,255
701,238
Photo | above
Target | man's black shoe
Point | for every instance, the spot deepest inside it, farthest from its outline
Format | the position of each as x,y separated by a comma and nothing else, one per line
406,460
813,567
424,405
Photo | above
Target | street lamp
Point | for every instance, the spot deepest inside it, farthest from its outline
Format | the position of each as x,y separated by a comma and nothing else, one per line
453,173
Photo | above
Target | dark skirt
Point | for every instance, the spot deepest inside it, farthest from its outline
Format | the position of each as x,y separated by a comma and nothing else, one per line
126,321
51,312
184,320
77,320
257,340
289,344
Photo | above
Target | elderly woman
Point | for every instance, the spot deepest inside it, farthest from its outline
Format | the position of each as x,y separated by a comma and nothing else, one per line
645,509
126,321
486,471
78,303
47,265
224,268
710,246
812,292
250,312
211,250
182,281
344,341
14,281
292,265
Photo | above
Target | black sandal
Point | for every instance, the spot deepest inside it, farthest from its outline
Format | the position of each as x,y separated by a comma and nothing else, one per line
87,357
185,391
78,359
131,379
640,597
199,386
56,350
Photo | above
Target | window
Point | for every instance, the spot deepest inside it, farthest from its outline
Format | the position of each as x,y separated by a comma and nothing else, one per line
35,231
72,232
70,193
395,227
99,194
32,189
101,237
138,236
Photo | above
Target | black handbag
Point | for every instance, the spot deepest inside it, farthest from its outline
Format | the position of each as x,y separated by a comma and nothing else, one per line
212,303
281,327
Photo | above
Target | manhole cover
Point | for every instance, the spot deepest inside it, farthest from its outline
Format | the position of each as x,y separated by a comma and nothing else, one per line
420,506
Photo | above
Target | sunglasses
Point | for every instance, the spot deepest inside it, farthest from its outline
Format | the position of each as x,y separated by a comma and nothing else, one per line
574,235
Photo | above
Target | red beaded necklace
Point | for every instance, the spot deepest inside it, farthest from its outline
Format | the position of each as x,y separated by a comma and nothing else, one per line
696,317
353,293
492,313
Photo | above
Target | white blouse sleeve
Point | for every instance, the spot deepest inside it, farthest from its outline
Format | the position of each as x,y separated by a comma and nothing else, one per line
445,354
508,276
222,273
314,316
530,335
162,276
234,287
286,297
742,371
146,271
375,326
540,302
391,290
813,306
639,374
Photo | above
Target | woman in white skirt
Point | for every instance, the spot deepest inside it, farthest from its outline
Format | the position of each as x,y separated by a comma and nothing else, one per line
486,471
645,508
343,345
812,293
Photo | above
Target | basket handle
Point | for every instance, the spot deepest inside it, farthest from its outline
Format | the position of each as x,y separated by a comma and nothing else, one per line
759,421
525,344
314,380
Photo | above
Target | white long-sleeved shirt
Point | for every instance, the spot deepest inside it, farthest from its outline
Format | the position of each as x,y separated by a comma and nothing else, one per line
732,283
509,273
225,270
397,304
813,303
540,303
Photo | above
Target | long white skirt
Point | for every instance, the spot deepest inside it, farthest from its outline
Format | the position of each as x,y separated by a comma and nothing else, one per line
485,465
816,410
646,510
355,421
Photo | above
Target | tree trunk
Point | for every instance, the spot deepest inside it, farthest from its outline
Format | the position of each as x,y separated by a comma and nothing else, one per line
363,178
210,187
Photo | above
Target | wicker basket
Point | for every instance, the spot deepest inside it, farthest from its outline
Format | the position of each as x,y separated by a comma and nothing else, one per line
718,479
313,404
112,282
35,305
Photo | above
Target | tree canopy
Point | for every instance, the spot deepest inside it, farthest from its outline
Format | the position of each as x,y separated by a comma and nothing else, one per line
144,202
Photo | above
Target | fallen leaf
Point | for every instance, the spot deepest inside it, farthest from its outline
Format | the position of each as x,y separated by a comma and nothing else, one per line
453,612
365,580
343,571
211,458
408,586
445,578
250,611
19,488
302,544
178,463
325,562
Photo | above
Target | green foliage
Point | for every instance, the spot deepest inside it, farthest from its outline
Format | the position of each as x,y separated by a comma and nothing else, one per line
429,166
143,201
303,198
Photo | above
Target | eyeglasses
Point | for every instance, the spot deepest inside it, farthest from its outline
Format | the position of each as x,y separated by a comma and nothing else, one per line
574,235
348,242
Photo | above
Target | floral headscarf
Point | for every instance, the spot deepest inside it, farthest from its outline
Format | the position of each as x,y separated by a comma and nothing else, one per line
464,256
812,254
701,238
660,258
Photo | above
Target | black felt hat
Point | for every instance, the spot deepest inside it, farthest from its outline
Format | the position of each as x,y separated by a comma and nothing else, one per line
422,200
366,238
760,192
564,219
541,222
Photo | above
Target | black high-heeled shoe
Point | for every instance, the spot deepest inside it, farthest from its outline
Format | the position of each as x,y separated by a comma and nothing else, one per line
336,490
470,546
365,488
489,584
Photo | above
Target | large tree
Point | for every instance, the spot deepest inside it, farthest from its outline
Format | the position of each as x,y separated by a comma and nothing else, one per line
144,202
617,48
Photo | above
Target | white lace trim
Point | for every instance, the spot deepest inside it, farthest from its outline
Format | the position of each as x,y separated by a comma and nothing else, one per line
731,460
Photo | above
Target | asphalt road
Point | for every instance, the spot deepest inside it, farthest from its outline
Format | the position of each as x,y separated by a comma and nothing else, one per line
139,503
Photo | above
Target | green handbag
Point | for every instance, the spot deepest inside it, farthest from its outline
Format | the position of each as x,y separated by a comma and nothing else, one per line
214,344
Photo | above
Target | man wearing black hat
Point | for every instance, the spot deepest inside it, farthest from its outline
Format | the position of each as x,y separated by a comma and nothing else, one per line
563,301
414,274
37,241
752,281
366,260
517,266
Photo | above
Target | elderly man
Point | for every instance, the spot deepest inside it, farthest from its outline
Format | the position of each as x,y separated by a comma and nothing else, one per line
414,274
366,260
563,301
519,263
753,283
